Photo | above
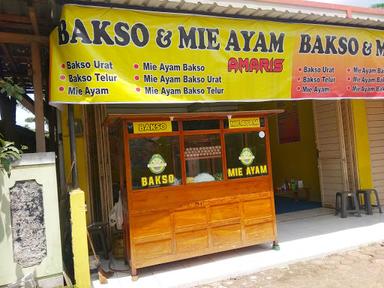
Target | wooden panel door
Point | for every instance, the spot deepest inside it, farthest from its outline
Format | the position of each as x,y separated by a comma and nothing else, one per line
375,119
332,162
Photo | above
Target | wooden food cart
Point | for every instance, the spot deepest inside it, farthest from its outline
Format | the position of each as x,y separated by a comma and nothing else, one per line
197,183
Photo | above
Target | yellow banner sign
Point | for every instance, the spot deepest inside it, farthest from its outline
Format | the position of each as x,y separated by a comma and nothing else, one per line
107,55
152,127
244,123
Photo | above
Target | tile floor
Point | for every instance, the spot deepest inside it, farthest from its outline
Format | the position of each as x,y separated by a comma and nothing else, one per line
303,235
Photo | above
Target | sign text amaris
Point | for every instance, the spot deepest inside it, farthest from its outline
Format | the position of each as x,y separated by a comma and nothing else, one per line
102,55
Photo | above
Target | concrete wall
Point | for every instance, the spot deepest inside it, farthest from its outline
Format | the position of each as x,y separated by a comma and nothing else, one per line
41,167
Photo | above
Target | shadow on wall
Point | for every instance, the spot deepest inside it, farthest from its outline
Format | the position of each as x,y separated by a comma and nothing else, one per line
5,219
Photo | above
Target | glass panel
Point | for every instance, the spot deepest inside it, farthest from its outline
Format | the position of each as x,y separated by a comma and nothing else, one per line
155,162
201,125
203,158
246,154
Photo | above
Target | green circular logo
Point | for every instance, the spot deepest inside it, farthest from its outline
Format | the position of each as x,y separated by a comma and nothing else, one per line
157,164
246,156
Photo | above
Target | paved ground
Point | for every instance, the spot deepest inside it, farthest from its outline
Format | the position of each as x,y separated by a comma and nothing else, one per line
358,268
307,234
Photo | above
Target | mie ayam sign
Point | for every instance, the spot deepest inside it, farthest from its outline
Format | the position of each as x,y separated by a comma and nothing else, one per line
106,55
249,122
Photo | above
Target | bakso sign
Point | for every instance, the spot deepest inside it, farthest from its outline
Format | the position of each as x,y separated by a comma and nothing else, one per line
106,55
152,127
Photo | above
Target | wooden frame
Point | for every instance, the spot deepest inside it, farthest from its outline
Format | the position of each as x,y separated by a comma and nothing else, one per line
17,32
170,223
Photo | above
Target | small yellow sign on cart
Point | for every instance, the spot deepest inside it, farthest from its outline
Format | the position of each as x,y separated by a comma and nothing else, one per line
152,127
253,122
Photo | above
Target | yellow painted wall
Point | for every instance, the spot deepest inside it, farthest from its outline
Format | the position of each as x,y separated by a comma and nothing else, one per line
80,154
363,157
298,159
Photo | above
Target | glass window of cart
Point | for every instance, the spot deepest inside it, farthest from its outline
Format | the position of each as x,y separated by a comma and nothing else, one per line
155,162
203,158
246,154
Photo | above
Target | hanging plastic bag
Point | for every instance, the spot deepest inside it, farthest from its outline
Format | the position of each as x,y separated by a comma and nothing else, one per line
116,215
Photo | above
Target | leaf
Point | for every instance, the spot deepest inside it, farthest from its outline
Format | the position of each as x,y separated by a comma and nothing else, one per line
13,155
8,154
7,166
11,89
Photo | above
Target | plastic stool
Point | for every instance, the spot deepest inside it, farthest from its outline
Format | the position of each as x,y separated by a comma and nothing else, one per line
367,200
342,199
98,229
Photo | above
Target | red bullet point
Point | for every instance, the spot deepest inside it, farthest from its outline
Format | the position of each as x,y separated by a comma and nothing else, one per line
136,77
136,66
61,88
137,89
348,70
63,65
348,88
298,88
349,79
299,69
298,79
62,77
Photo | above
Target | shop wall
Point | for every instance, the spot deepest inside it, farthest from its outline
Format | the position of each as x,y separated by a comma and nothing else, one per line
369,118
297,159
81,154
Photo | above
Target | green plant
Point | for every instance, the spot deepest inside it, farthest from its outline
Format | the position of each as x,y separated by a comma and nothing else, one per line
8,151
378,5
8,154
11,89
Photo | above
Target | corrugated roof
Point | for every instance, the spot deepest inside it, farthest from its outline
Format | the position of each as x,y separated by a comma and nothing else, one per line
280,10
